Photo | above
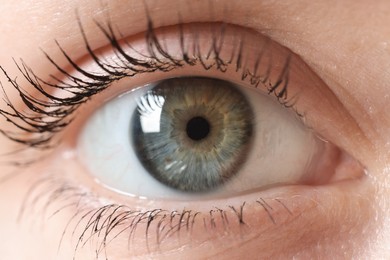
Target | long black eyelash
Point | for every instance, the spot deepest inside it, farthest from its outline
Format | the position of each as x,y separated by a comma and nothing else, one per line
47,114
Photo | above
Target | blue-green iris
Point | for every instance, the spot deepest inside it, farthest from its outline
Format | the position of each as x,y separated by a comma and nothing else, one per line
193,134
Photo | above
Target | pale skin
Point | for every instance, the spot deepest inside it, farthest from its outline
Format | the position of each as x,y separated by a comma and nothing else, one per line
346,43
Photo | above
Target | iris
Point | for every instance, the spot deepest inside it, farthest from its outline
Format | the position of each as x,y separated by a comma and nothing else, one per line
192,134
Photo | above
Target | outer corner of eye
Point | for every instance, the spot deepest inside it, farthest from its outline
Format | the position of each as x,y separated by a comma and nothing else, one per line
202,137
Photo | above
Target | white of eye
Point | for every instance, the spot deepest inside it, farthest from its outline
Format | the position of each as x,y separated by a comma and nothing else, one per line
282,151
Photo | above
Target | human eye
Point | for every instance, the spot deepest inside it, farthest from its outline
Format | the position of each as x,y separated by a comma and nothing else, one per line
247,124
88,117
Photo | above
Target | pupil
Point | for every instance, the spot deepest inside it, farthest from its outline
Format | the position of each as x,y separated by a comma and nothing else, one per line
198,128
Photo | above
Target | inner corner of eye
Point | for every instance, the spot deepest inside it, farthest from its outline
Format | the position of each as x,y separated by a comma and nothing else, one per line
200,137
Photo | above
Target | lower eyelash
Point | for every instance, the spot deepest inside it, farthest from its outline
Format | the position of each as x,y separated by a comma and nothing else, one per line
101,223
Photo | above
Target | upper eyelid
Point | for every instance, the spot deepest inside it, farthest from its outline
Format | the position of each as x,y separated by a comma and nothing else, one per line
334,108
58,107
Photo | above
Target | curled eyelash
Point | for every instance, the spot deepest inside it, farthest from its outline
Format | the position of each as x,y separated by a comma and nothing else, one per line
47,114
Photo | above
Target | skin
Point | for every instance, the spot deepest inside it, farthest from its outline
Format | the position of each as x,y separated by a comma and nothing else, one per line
346,43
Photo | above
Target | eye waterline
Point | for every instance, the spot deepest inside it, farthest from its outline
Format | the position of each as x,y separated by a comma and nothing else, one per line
90,221
282,208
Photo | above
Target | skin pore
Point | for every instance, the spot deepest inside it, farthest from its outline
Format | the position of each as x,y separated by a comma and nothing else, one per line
346,43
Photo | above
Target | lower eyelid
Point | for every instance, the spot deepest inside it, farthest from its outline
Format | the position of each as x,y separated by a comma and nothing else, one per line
267,216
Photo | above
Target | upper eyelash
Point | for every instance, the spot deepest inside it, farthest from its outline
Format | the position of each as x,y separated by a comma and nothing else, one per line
50,114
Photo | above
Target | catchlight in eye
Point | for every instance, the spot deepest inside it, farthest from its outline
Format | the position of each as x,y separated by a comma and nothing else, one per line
192,134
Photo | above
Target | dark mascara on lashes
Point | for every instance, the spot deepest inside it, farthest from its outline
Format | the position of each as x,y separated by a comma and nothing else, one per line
51,113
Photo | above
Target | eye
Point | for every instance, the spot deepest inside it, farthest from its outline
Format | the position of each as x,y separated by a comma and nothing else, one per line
222,113
197,127
190,137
